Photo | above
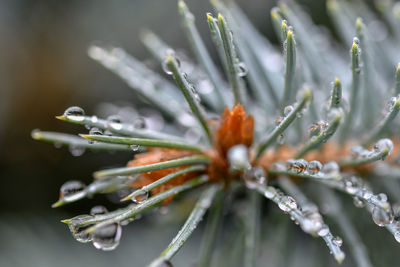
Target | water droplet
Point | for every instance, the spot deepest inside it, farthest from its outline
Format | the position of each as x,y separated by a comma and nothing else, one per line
270,192
290,164
165,68
254,176
76,150
382,197
323,231
281,139
57,145
287,110
107,237
161,263
396,210
114,119
95,131
78,230
141,196
356,151
314,167
287,203
163,210
98,210
74,111
359,203
330,168
115,125
128,221
382,145
107,133
382,217
366,194
278,166
139,123
242,69
397,236
315,129
135,148
356,41
312,222
337,241
72,190
300,165
238,157
352,185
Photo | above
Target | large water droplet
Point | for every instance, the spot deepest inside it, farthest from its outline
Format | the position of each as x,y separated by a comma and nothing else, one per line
72,190
287,203
114,119
312,222
382,197
356,151
381,217
384,144
254,177
397,236
315,129
314,167
270,192
74,111
78,230
238,157
281,139
141,196
95,131
165,68
242,69
107,237
98,210
300,165
330,168
76,150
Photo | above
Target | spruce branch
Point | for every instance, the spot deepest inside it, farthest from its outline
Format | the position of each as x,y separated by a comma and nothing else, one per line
197,159
191,223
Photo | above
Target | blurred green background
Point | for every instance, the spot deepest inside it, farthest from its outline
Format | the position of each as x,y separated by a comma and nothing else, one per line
45,69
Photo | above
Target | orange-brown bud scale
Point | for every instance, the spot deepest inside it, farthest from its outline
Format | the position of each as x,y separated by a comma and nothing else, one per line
235,127
156,155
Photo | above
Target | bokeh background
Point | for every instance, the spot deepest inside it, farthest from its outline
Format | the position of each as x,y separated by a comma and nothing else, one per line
44,69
